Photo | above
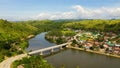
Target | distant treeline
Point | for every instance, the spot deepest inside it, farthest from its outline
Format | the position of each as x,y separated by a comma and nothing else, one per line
68,27
98,25
14,35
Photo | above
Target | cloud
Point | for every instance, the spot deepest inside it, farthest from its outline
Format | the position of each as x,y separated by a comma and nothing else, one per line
80,12
17,18
77,12
100,13
58,15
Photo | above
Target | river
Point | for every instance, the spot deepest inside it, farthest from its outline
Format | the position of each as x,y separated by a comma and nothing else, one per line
39,42
70,58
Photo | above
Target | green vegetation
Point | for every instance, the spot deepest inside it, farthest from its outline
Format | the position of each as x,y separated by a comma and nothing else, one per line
59,33
59,36
14,35
83,37
32,62
99,25
68,33
74,42
66,29
11,35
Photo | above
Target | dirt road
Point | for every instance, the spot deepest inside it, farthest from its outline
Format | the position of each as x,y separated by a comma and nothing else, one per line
7,63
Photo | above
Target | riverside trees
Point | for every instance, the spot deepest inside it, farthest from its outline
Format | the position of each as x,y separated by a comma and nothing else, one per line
14,35
32,62
93,25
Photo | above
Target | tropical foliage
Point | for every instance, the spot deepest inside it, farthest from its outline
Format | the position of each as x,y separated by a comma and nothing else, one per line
32,62
99,25
14,35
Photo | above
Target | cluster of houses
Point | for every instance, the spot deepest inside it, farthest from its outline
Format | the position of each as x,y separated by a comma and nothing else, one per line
105,42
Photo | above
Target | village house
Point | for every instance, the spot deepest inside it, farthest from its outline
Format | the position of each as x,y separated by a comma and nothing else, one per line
117,49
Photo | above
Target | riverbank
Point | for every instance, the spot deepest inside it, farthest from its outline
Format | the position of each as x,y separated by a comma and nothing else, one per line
9,60
7,63
96,52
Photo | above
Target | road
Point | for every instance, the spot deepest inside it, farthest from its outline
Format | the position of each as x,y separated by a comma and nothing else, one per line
47,48
7,63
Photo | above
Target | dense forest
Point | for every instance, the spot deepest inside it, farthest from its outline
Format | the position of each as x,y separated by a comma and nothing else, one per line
98,25
32,62
14,35
69,27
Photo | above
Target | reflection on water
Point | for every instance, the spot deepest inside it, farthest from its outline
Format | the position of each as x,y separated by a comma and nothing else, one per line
38,42
72,58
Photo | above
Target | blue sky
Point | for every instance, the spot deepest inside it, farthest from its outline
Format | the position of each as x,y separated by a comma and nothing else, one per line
27,9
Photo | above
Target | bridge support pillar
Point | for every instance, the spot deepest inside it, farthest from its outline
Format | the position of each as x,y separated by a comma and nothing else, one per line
52,50
61,48
41,53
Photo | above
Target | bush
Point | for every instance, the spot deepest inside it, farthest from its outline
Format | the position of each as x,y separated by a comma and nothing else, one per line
101,46
91,48
32,62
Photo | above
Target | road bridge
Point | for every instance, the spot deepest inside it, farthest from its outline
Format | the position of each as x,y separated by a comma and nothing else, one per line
52,48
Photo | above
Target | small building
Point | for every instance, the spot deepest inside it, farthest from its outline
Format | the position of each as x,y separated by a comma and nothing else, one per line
111,46
117,49
105,46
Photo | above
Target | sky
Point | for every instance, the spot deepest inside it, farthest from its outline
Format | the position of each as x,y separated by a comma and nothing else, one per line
15,10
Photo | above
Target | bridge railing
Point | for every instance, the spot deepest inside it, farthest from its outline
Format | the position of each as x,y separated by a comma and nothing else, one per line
48,48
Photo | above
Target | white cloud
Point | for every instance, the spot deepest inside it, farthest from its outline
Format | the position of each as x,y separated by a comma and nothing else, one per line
52,16
99,13
16,18
78,12
84,13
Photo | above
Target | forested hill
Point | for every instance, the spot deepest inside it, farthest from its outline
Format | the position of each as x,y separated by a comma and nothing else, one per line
99,25
13,35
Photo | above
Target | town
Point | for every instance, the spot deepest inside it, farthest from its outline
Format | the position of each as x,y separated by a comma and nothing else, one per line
104,43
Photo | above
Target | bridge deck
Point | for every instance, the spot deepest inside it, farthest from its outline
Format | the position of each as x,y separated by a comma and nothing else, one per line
48,48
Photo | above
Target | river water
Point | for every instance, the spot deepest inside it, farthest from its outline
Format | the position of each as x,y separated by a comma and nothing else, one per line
71,58
39,42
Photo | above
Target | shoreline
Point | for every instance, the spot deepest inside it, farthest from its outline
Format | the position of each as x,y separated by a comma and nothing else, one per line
96,52
7,62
